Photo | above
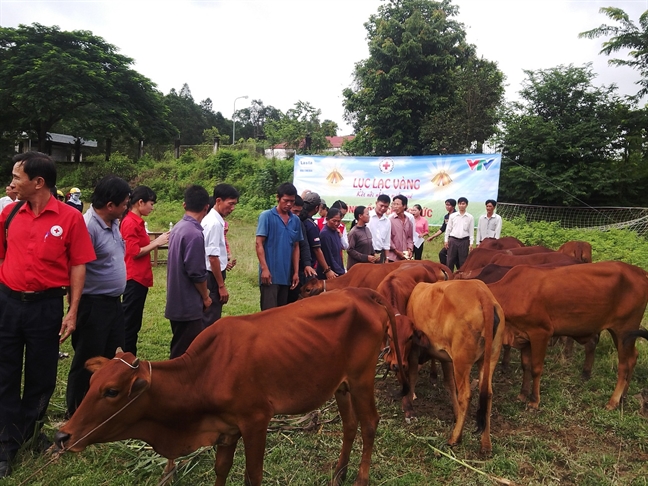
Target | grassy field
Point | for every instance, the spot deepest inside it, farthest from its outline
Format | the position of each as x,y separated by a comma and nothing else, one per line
570,440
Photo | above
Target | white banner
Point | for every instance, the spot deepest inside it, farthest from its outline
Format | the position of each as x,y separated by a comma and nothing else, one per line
425,180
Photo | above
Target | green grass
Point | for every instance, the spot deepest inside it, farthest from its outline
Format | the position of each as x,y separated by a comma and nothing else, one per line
570,440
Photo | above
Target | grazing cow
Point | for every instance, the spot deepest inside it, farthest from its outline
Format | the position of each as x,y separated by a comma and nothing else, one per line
396,288
460,323
580,250
236,376
503,243
368,275
578,301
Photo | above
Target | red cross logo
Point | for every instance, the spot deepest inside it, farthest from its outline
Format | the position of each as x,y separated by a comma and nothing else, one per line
386,165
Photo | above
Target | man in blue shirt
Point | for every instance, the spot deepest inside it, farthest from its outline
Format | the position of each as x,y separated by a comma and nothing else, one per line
100,319
277,247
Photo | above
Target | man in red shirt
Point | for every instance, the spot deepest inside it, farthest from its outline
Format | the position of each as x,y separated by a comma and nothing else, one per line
43,253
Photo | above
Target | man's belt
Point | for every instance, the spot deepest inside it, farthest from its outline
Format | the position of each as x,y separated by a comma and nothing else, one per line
34,296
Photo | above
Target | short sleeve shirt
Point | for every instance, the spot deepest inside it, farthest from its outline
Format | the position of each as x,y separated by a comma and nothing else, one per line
135,236
42,248
279,242
214,231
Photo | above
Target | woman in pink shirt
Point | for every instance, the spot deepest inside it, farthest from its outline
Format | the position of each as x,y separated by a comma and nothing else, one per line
421,230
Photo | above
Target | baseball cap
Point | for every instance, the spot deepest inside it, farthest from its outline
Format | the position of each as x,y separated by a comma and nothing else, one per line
312,198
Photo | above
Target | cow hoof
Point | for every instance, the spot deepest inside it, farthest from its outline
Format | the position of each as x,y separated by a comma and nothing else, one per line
486,453
522,397
611,406
533,406
586,375
409,420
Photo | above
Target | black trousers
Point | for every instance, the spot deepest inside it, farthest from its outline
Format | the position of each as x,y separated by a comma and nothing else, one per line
215,311
133,302
418,252
184,332
443,256
458,249
273,296
29,331
99,332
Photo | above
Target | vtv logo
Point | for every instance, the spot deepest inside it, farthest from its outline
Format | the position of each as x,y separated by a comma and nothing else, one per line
479,164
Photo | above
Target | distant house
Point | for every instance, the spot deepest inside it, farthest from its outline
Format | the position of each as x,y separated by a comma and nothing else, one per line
60,147
280,151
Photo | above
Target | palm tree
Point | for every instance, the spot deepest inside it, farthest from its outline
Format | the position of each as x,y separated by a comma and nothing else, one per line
625,36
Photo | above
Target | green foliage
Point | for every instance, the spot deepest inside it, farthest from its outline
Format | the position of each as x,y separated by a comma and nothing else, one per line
626,36
94,168
299,127
50,76
615,244
569,139
414,84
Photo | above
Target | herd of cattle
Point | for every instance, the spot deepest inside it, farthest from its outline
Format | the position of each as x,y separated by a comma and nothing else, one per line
244,370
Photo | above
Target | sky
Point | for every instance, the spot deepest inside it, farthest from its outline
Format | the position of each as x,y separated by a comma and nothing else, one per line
284,51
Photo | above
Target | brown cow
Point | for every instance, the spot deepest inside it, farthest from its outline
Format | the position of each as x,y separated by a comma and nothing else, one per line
551,258
396,288
460,323
368,275
580,250
503,243
577,301
236,376
480,257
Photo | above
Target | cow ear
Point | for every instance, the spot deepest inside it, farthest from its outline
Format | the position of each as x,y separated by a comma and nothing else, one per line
138,386
93,364
421,339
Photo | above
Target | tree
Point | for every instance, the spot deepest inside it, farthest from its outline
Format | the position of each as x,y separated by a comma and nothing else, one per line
186,116
565,141
49,76
472,117
625,36
300,129
255,117
416,55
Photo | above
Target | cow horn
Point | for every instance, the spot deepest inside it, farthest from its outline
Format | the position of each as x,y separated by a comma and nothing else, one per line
135,363
118,350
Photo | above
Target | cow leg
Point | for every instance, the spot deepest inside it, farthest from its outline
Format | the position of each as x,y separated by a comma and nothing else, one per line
349,431
627,361
590,349
408,400
568,346
434,375
450,385
254,440
462,380
223,462
538,353
506,357
525,360
364,404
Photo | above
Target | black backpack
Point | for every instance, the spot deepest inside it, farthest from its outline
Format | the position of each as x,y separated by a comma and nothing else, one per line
13,212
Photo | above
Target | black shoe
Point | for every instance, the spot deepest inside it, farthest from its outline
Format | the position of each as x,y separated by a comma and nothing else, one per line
5,469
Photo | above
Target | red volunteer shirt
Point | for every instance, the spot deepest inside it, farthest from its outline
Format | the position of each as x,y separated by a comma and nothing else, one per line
41,249
134,233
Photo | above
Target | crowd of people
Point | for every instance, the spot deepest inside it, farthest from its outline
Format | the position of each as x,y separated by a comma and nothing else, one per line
290,253
97,262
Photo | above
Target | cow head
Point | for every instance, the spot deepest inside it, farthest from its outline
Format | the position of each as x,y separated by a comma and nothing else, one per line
405,333
110,407
312,287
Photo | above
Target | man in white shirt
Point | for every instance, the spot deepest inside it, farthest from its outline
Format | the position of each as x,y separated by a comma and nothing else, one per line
459,235
489,224
380,226
8,199
225,200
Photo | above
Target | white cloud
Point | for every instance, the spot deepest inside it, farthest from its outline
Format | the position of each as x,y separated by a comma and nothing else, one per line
282,51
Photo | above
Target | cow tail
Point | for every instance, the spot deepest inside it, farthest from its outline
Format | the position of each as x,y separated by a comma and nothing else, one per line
632,336
399,359
490,315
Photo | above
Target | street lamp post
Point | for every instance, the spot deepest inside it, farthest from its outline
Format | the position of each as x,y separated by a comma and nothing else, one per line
234,119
